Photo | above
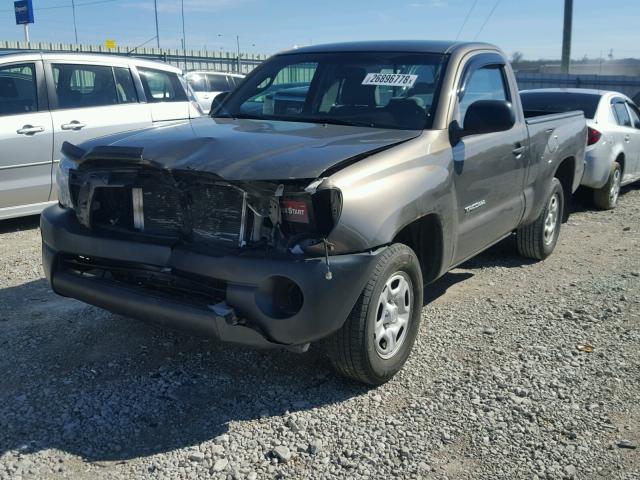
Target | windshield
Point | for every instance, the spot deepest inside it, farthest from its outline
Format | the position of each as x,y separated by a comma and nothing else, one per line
382,90
559,102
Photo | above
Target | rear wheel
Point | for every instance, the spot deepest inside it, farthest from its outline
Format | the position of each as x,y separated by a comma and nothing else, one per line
538,239
377,337
606,197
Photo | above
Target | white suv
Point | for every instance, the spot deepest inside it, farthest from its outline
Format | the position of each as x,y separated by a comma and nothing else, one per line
49,98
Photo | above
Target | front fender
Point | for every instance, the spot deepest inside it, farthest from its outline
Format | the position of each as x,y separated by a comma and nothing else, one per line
387,191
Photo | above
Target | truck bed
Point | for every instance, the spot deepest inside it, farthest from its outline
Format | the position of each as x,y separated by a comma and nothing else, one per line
552,139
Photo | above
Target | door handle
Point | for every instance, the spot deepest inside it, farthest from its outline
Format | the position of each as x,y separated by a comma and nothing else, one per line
627,138
73,125
30,130
518,150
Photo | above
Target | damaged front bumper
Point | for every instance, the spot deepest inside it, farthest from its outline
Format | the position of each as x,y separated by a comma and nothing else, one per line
254,299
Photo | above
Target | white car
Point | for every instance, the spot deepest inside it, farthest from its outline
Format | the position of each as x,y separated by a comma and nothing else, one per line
613,143
207,85
49,98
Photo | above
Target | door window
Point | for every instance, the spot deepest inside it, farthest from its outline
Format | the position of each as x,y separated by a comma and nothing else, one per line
124,85
198,82
621,114
218,83
80,86
18,91
635,115
486,83
160,86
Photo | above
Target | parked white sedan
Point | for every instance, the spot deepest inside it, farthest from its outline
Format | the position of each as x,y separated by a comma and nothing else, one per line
613,143
208,85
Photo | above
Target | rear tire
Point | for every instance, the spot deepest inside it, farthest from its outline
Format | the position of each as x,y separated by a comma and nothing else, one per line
538,239
606,197
376,339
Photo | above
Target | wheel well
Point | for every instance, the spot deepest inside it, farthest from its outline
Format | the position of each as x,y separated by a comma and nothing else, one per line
620,160
424,237
564,173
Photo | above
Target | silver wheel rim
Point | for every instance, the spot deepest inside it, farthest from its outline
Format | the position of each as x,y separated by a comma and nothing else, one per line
615,188
551,222
393,314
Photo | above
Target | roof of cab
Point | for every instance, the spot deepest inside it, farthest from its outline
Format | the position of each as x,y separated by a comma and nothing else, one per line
107,58
406,46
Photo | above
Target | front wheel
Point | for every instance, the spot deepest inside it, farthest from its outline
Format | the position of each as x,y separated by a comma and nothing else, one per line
538,239
376,339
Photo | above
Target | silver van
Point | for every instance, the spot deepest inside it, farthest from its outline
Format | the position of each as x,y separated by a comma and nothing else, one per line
49,98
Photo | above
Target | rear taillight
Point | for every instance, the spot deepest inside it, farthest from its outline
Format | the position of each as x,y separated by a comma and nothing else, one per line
593,136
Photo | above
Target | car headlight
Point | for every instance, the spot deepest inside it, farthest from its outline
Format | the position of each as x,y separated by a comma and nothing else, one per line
62,182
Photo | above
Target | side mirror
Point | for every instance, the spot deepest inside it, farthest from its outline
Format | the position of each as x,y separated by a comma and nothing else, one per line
217,102
488,116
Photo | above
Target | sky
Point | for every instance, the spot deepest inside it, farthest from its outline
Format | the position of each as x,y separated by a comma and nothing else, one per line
533,27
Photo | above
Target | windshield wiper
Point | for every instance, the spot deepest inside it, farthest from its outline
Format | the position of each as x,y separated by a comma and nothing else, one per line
350,123
239,115
295,118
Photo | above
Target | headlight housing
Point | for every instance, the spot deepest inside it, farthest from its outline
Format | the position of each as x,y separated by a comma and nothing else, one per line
62,182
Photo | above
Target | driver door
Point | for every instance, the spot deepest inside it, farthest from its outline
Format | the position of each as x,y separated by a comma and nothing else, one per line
489,169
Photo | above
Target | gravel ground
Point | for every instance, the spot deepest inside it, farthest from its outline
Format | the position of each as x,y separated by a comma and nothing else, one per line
521,370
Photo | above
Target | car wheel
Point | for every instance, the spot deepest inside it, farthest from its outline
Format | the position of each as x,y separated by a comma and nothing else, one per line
377,337
606,197
538,239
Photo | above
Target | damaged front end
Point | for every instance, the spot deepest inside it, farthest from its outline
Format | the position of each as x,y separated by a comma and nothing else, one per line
117,193
242,261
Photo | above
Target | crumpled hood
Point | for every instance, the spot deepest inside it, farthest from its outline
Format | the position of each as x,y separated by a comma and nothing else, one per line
254,149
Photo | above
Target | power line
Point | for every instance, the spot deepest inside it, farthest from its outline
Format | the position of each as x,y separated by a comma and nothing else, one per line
487,19
466,19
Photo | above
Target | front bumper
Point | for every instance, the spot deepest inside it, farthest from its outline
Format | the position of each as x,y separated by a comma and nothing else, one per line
325,303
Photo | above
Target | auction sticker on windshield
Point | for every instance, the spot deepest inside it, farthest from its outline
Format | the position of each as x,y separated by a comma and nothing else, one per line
390,79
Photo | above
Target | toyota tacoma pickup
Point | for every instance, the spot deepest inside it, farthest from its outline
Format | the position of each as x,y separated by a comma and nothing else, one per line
317,200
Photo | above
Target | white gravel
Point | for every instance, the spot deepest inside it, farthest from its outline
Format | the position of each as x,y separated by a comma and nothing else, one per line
521,370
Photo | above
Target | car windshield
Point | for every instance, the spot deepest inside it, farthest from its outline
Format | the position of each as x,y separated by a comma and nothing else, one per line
381,90
559,102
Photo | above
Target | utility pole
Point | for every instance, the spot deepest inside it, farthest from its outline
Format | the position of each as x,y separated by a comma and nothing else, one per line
75,28
238,44
566,36
184,39
155,5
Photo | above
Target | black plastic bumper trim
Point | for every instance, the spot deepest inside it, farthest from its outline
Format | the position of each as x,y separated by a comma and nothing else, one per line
326,304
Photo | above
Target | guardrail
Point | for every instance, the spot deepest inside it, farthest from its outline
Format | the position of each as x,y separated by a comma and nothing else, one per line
186,59
630,86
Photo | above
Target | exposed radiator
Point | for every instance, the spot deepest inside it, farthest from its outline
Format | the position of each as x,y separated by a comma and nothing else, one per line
201,213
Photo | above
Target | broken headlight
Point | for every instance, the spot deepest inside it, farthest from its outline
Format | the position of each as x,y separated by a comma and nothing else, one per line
62,182
310,215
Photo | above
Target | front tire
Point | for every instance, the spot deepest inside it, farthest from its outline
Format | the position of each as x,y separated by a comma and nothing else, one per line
376,339
538,239
606,198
